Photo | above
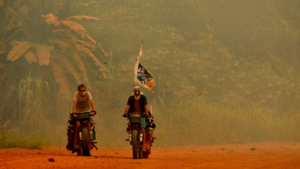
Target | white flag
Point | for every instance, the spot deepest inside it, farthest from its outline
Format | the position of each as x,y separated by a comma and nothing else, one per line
141,75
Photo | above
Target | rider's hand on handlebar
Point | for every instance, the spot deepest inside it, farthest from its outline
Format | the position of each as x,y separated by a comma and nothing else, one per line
92,113
75,116
124,115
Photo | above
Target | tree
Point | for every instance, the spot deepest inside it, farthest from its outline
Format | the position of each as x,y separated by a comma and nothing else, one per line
46,32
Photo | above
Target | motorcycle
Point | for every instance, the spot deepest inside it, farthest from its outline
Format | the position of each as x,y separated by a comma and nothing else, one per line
135,134
85,134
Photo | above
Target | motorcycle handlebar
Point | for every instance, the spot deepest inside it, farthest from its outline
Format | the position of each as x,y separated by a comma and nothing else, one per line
142,115
84,112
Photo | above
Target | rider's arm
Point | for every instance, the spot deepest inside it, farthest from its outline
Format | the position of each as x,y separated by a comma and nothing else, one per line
126,110
146,106
74,102
127,106
92,104
74,106
146,110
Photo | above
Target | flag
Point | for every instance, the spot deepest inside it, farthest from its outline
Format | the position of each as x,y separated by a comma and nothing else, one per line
141,75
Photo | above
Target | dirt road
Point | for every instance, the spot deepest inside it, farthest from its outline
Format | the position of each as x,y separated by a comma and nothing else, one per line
285,155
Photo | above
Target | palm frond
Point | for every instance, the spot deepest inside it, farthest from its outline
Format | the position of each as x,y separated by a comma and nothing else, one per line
80,17
51,19
61,78
20,47
69,65
92,56
73,53
84,43
87,36
75,40
102,50
43,53
30,56
104,75
78,28
62,30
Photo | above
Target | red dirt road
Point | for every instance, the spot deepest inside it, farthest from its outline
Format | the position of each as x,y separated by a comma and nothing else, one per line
283,155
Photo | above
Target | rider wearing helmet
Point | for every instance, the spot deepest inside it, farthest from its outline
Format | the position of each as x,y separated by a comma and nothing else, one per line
137,104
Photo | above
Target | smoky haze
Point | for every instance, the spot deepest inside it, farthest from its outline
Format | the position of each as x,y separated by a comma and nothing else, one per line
225,71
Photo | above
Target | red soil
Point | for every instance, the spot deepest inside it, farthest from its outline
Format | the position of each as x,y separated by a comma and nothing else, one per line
285,155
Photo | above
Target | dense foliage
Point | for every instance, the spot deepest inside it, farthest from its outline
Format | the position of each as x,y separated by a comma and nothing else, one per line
230,60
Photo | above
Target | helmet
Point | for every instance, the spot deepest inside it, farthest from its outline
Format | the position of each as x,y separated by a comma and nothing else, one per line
136,90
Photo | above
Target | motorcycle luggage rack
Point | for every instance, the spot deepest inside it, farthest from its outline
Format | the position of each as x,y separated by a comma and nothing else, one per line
135,120
83,116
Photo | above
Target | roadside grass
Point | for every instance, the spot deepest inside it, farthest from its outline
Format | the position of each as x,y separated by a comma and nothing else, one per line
193,122
9,139
200,123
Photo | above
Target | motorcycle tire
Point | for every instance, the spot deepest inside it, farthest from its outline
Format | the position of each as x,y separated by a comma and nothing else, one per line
86,142
135,145
141,151
79,152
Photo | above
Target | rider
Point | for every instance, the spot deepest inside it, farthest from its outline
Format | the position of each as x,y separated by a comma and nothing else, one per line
137,104
82,102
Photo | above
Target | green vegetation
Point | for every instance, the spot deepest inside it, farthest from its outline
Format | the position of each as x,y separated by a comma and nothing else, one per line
9,139
226,71
48,33
198,122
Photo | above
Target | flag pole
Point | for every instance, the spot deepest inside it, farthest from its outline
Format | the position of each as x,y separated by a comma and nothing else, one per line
139,55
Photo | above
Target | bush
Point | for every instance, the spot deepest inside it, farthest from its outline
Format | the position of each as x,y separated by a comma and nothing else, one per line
9,139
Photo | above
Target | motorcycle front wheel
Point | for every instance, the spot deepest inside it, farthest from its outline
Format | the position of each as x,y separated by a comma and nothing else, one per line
79,152
135,146
86,142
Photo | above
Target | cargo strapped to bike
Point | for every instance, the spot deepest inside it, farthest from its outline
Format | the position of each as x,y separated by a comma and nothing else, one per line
135,118
84,117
